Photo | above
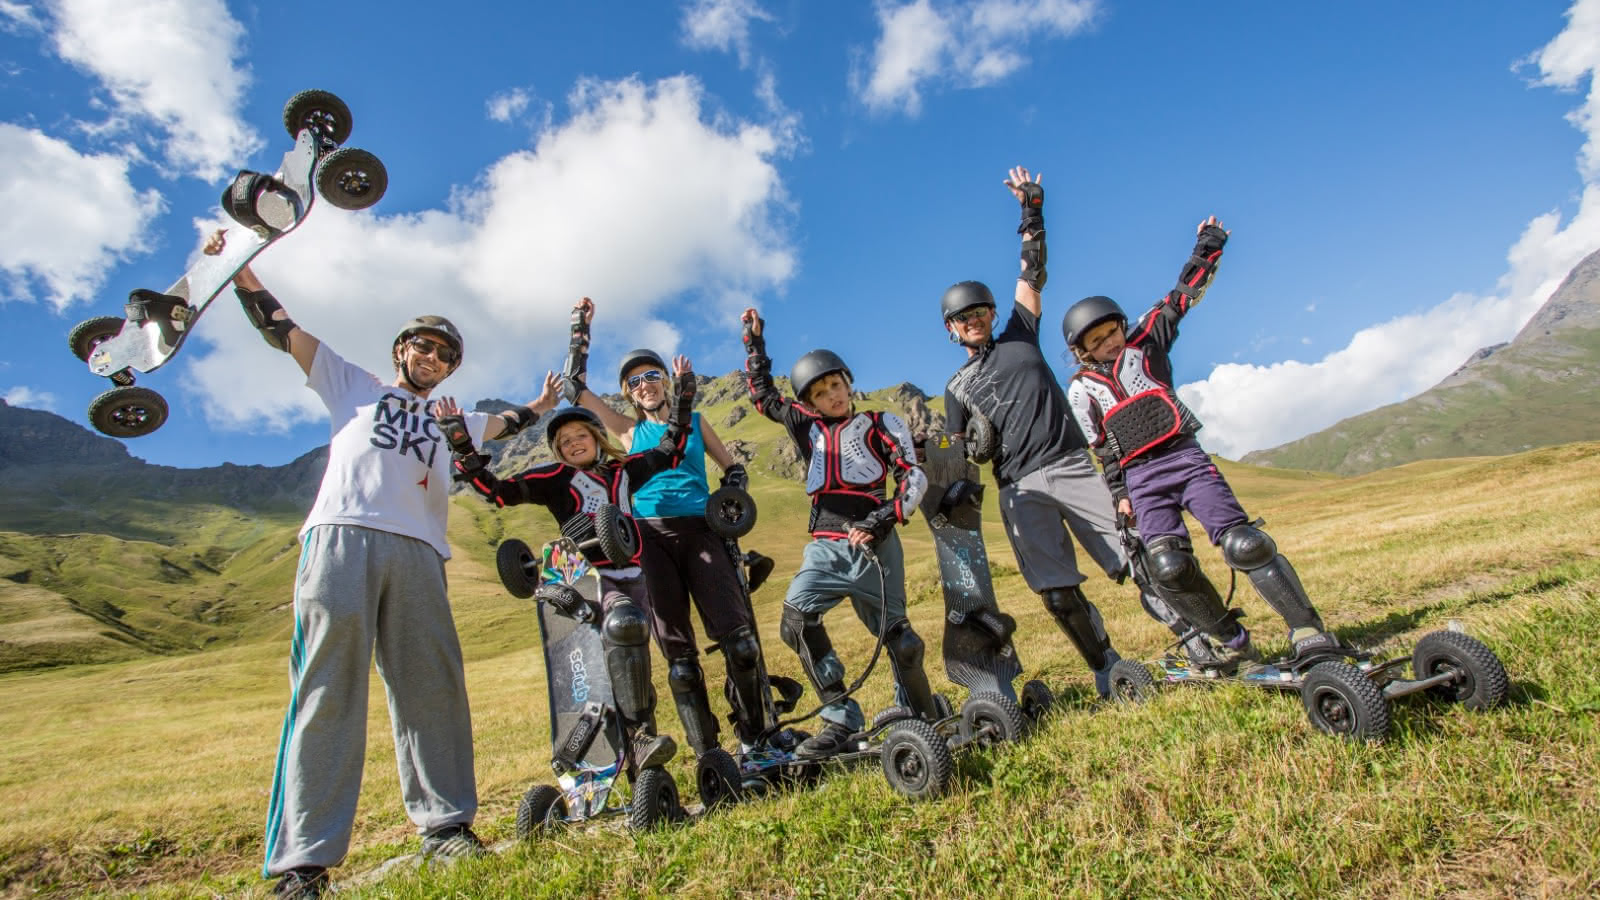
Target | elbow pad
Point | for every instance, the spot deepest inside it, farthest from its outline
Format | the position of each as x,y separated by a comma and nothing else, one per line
259,308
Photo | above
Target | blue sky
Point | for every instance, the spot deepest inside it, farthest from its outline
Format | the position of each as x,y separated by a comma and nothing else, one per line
1405,182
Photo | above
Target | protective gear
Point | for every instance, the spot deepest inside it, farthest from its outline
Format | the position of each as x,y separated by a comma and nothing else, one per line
633,359
1181,583
806,636
965,295
626,635
572,376
1081,622
1033,246
754,344
905,650
694,707
1253,552
455,433
437,326
259,307
571,414
810,369
1195,646
1086,314
877,523
736,477
1201,268
516,420
741,652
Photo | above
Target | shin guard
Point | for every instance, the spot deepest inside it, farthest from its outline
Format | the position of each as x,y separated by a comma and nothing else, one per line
694,706
1253,552
1177,576
625,634
905,650
1081,622
747,682
806,636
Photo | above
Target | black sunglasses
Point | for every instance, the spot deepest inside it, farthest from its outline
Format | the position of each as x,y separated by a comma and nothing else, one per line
969,315
445,354
653,376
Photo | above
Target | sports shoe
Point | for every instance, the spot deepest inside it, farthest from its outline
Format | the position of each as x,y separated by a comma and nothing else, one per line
452,842
653,749
303,883
1308,641
1240,649
832,739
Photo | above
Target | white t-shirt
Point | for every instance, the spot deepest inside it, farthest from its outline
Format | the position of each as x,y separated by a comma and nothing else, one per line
388,463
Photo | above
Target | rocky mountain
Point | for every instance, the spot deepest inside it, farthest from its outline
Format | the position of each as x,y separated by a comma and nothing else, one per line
1541,388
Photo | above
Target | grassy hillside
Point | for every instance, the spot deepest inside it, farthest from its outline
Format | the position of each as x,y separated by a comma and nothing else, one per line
150,776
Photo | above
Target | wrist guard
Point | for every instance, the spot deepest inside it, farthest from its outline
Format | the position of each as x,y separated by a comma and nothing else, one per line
677,432
736,477
1202,265
259,307
1032,230
754,344
468,465
572,385
1032,207
879,523
455,434
517,419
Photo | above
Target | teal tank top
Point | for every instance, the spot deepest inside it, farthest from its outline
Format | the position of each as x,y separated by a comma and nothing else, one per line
675,492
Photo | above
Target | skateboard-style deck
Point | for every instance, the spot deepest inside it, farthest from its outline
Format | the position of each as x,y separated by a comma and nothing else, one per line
574,659
963,570
147,345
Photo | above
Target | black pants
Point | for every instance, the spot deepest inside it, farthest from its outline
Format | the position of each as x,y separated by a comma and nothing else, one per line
683,558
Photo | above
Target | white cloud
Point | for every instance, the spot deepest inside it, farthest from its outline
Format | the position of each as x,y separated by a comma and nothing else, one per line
722,25
971,43
77,216
21,16
171,64
1249,407
22,395
637,198
507,105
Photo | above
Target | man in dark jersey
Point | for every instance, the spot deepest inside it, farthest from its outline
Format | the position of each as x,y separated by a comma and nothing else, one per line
1041,462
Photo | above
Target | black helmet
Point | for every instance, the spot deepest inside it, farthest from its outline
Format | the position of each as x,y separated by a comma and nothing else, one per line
811,367
439,327
636,357
1086,314
570,414
964,295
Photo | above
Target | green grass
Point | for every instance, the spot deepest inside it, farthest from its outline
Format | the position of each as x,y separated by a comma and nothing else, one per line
150,776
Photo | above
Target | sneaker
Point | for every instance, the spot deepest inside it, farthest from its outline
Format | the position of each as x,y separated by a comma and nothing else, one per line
1307,641
832,739
653,749
452,842
302,884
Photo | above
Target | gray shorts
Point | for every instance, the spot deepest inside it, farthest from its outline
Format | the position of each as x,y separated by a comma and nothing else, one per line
1038,509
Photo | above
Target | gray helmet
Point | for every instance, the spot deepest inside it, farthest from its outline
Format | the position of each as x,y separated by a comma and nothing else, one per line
439,327
1086,314
570,414
965,295
811,367
634,358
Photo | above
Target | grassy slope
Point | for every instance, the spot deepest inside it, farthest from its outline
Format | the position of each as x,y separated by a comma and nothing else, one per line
168,761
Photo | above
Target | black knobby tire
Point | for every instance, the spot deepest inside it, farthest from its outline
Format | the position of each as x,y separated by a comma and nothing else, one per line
916,760
991,718
322,110
981,438
890,715
91,333
618,541
942,707
1131,682
655,799
126,412
1482,680
1341,700
514,559
1036,700
718,779
351,179
543,809
731,512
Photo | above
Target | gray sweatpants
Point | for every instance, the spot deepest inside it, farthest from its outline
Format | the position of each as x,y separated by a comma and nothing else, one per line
1040,506
356,588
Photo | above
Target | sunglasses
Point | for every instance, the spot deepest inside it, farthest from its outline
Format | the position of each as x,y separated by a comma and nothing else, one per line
653,376
443,353
969,315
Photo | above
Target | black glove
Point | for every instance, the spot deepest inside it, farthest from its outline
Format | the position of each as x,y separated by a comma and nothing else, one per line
468,465
1032,206
1212,238
455,434
754,344
736,477
878,523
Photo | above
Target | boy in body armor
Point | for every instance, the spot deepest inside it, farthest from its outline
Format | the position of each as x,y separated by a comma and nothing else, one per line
849,456
1124,400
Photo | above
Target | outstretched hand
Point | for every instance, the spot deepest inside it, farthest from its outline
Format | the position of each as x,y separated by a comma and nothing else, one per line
445,406
681,366
552,391
584,309
1209,222
1017,177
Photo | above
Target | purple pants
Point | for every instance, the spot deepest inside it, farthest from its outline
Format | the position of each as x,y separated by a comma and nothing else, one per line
1183,477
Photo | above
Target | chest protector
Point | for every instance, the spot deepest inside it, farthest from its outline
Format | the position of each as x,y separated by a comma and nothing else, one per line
1142,412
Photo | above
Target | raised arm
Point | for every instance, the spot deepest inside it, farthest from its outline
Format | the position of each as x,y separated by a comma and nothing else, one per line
511,421
1029,191
265,312
537,485
1160,325
575,377
669,451
733,473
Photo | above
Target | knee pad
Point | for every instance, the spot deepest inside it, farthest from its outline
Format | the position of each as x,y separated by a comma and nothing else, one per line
684,675
804,633
1172,563
904,645
626,626
741,649
1246,547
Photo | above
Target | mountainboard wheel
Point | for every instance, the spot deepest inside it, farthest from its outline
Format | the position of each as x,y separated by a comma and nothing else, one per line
991,718
542,810
319,110
91,333
126,412
1482,681
1036,700
731,513
717,776
916,760
889,715
655,799
618,541
351,179
981,439
1131,682
1342,701
513,559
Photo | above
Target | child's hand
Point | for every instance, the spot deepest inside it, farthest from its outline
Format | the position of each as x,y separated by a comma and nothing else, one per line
552,390
681,366
860,537
752,321
1125,509
1210,221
